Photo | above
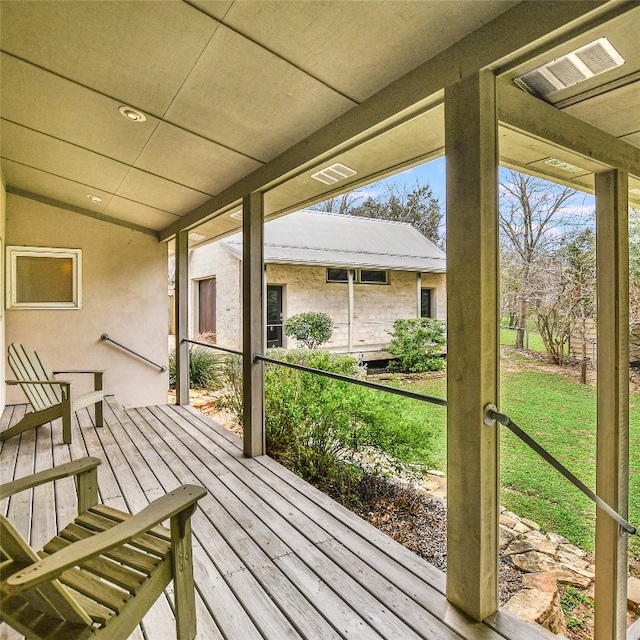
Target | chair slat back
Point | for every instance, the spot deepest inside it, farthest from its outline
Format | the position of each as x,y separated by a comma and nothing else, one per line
26,364
52,598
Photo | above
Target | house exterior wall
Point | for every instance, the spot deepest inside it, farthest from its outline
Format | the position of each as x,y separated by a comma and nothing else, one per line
375,306
305,288
209,261
124,295
3,209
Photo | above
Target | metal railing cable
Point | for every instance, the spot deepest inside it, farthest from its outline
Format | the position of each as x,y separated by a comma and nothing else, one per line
492,415
363,383
106,338
213,346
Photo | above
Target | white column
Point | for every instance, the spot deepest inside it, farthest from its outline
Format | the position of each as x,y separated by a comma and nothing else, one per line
182,317
473,346
612,465
253,322
419,295
350,303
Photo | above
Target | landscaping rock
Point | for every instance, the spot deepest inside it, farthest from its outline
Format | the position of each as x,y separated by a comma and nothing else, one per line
571,559
530,523
541,543
574,576
506,536
518,546
633,594
533,561
539,602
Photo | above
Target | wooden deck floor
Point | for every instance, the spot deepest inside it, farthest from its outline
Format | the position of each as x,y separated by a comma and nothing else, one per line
274,558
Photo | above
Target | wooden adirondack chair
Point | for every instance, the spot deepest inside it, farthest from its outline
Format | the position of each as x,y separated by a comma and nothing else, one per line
49,398
100,575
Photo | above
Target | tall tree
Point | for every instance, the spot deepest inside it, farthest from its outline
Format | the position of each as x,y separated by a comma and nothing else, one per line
534,214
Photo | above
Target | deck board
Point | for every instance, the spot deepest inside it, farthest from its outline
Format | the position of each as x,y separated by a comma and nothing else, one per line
274,558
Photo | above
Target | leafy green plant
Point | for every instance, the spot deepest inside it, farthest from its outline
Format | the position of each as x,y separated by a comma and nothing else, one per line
310,329
233,384
205,368
417,344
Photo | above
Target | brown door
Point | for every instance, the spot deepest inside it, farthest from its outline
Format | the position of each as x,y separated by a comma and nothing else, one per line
207,306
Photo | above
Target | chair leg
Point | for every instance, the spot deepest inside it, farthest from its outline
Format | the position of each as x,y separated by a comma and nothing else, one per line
99,414
183,584
66,421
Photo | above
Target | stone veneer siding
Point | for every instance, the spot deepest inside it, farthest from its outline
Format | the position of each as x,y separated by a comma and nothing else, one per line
376,306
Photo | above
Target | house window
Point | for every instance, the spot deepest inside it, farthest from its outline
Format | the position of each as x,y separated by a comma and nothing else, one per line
362,276
425,303
44,278
372,277
337,275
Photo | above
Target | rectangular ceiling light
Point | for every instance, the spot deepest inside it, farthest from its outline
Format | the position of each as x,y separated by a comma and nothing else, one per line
196,237
333,174
635,192
236,215
565,166
577,66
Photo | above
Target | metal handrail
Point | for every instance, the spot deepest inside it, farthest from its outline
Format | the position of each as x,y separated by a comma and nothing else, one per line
492,415
363,383
213,346
106,338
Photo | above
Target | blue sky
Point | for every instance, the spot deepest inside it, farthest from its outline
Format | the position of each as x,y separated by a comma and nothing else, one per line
434,173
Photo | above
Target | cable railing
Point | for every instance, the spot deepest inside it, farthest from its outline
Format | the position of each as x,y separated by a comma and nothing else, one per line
106,338
491,413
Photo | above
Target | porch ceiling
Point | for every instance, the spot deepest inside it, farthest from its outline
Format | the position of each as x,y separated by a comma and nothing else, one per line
229,86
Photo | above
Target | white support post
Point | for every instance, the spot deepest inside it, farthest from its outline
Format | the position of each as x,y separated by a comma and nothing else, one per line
253,322
182,317
612,465
350,303
471,138
418,295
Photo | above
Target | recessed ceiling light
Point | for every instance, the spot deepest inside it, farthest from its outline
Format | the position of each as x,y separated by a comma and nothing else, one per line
94,198
132,114
237,215
334,173
635,192
565,166
196,237
577,66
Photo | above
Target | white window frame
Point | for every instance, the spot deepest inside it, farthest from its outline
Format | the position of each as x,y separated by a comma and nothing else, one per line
15,252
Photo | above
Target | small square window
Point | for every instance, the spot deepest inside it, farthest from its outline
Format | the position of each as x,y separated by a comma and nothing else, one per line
373,277
337,275
44,278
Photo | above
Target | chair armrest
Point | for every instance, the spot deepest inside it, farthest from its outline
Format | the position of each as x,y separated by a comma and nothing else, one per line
49,568
60,382
81,371
62,471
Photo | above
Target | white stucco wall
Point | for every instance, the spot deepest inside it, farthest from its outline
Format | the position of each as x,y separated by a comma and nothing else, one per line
3,205
124,295
209,261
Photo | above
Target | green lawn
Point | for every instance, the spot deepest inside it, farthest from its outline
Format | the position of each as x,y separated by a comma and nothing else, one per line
560,414
533,341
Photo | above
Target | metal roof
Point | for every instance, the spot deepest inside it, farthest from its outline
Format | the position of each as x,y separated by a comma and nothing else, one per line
337,240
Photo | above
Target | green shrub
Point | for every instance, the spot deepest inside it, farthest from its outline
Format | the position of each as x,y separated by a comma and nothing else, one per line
417,344
313,424
205,368
310,329
233,384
